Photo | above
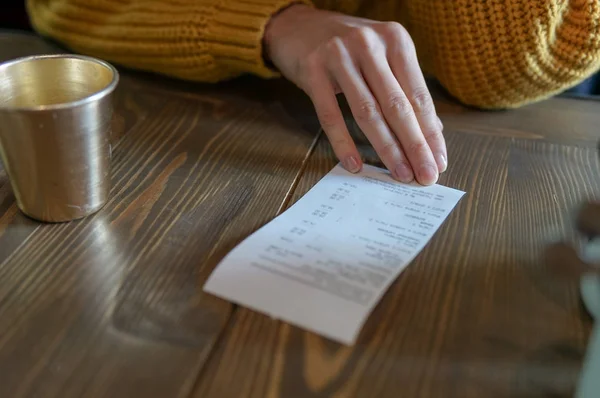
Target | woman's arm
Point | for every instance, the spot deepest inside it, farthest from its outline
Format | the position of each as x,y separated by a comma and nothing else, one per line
320,51
202,40
506,53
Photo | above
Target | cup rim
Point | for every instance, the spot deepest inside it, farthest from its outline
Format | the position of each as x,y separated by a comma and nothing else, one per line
110,87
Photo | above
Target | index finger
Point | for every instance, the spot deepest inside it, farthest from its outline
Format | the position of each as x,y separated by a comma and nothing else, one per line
322,93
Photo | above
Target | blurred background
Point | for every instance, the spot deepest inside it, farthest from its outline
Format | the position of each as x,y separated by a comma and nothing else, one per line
13,15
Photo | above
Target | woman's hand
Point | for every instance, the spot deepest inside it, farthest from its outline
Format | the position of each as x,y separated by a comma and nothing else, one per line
374,64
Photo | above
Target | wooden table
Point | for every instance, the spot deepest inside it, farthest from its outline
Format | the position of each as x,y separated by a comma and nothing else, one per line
112,306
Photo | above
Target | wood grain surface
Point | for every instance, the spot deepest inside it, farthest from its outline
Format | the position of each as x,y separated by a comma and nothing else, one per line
477,314
111,306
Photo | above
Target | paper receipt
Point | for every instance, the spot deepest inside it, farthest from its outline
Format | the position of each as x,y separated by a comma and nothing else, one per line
324,263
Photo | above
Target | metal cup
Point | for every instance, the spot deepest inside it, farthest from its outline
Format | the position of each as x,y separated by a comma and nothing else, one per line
55,126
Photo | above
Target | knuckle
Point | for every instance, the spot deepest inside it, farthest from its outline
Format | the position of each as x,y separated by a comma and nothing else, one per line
421,102
399,104
334,50
388,150
394,28
433,135
312,62
418,147
367,111
328,119
333,45
399,35
365,38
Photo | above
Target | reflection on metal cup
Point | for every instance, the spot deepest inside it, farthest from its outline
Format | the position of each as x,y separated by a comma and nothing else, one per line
55,126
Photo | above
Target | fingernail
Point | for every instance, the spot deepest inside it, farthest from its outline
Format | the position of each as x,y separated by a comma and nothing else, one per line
351,164
404,173
428,174
442,162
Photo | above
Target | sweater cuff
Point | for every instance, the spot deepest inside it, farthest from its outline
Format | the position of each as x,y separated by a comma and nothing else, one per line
236,32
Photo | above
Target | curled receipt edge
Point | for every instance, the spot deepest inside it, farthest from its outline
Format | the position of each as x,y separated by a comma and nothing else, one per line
325,262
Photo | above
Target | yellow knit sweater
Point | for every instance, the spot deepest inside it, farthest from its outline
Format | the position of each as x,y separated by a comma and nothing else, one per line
490,54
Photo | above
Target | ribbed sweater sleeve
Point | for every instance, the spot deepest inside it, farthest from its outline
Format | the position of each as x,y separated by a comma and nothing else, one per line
490,54
202,40
506,53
